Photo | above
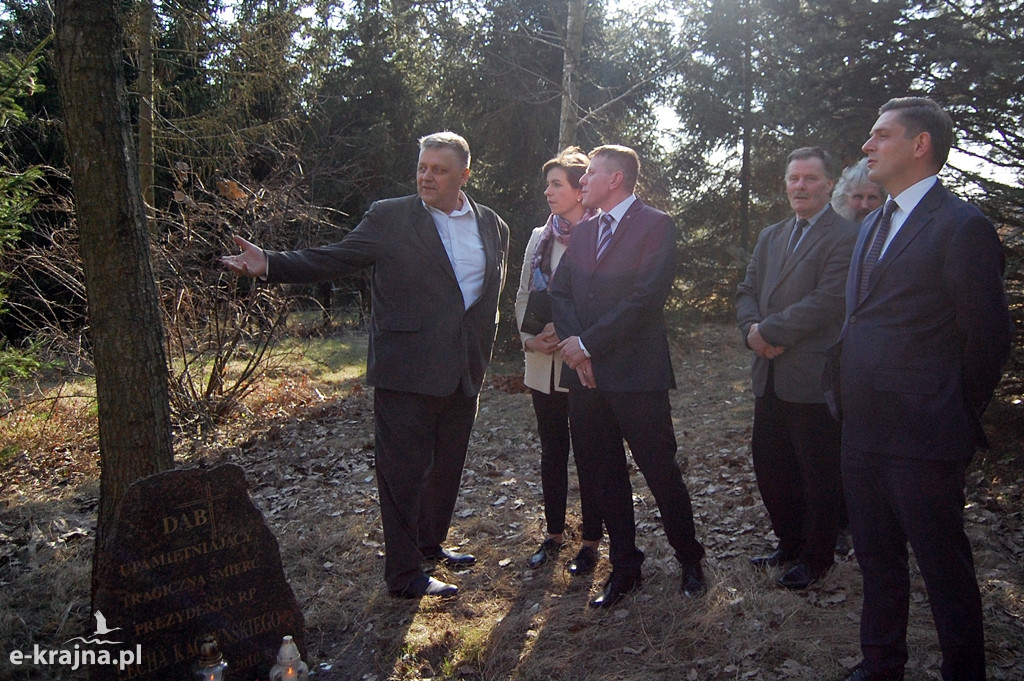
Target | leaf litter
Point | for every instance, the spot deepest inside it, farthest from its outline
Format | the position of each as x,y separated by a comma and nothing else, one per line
308,455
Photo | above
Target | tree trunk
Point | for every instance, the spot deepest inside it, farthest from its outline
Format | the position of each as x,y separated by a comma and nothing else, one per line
745,233
146,167
570,67
124,312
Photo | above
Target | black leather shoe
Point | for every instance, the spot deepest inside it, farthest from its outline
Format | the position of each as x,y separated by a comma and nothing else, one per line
548,549
799,577
861,674
441,554
693,584
775,558
584,562
843,544
427,586
615,588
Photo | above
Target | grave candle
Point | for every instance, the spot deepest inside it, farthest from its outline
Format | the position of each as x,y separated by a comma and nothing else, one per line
211,665
290,666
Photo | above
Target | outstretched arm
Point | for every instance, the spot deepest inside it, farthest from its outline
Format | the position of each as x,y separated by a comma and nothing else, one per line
251,262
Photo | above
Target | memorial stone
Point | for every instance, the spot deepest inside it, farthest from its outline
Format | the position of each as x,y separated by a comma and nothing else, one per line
191,555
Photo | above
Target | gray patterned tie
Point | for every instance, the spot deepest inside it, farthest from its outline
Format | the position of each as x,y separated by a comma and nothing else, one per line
606,234
876,249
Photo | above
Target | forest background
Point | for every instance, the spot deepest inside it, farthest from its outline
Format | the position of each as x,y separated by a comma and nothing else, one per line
282,120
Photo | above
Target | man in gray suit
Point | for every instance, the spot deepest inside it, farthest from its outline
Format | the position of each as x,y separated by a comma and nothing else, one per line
439,263
790,308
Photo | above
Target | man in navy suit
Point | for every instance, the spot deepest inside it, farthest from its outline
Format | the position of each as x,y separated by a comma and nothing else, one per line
608,299
789,309
439,263
926,335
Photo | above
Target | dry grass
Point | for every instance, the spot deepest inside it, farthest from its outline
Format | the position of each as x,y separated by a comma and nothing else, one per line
307,450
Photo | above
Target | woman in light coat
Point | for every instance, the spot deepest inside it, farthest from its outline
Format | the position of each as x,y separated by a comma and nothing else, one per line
544,364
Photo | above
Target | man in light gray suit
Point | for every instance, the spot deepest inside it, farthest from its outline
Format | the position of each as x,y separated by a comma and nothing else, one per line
439,262
790,309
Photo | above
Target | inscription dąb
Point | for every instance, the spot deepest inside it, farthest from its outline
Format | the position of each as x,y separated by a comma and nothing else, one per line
190,555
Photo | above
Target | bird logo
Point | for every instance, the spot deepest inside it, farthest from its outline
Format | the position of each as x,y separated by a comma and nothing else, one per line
101,630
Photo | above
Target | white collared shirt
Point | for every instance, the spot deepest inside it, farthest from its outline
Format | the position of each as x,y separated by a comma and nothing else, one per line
460,235
906,202
618,212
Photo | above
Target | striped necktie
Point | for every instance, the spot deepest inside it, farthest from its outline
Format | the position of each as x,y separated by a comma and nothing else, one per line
605,236
876,249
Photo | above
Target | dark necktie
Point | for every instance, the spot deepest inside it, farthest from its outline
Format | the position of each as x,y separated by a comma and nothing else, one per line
876,248
801,225
605,235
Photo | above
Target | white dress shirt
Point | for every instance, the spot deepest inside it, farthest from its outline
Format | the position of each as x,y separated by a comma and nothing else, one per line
460,235
906,202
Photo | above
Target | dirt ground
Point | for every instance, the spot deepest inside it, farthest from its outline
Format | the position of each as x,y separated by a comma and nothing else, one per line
309,462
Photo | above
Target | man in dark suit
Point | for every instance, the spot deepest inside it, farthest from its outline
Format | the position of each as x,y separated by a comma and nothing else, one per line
790,309
608,299
926,334
439,263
